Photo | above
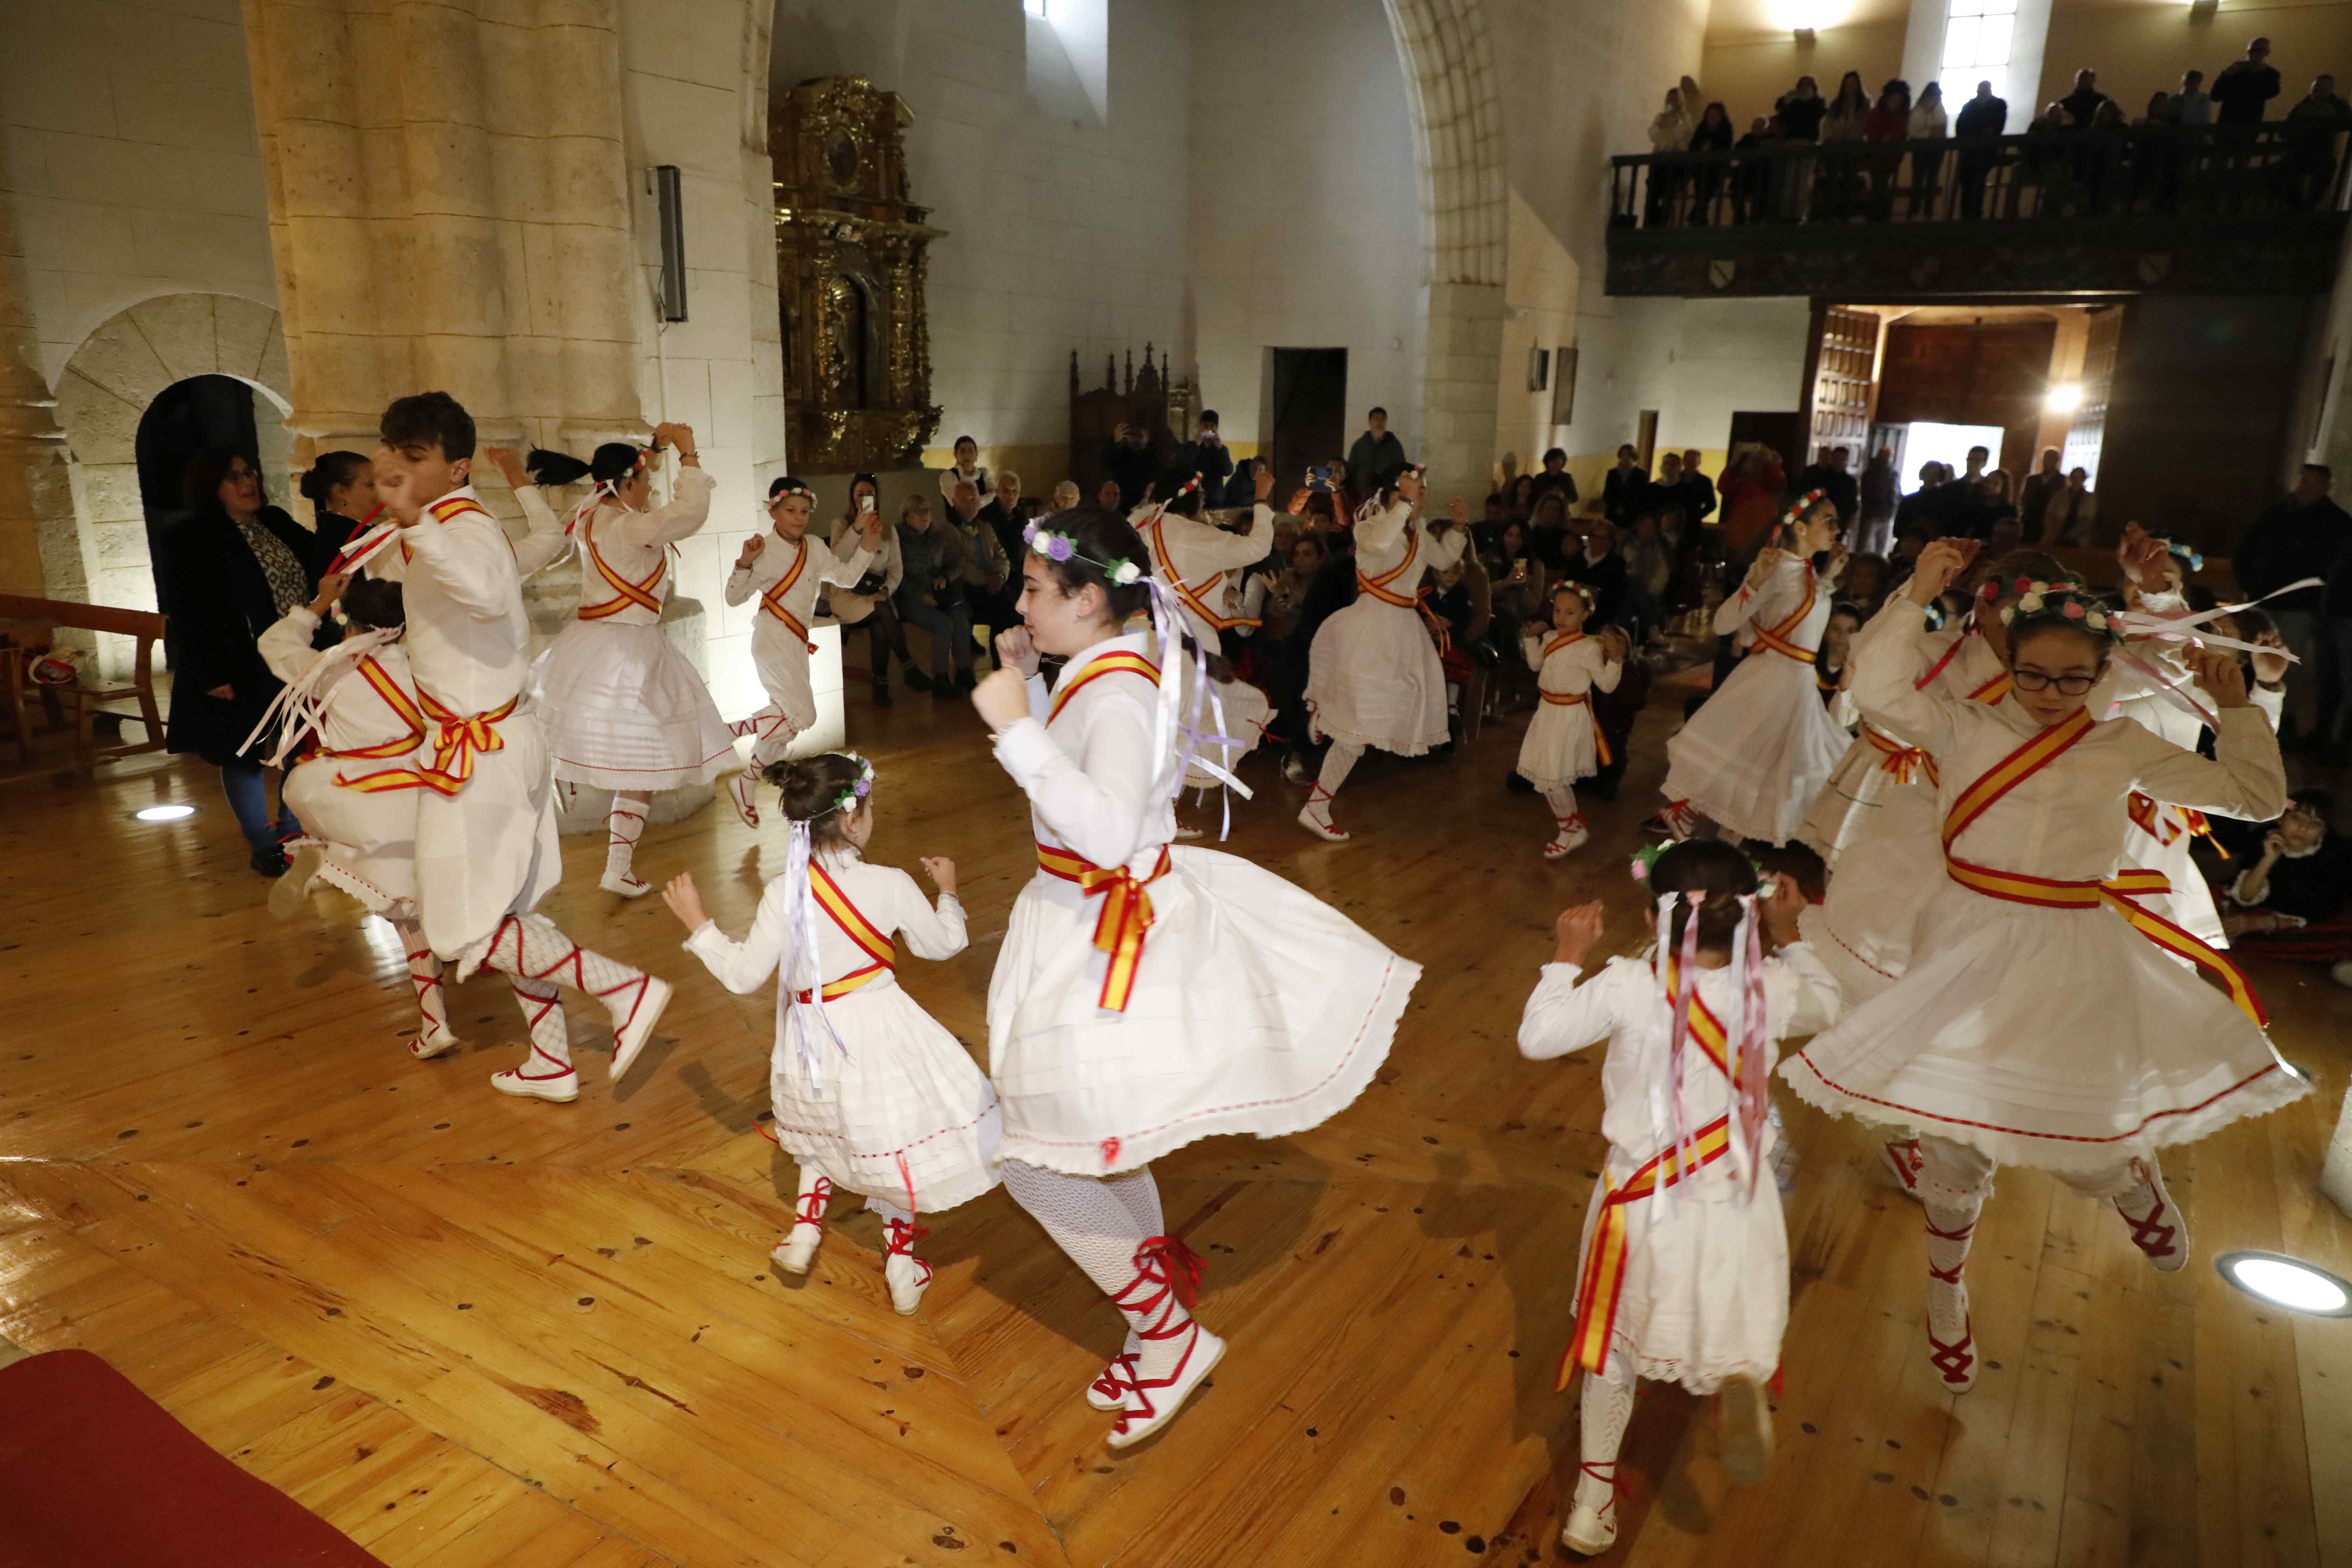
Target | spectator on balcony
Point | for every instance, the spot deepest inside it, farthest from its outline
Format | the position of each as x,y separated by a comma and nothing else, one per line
2192,106
2303,534
1801,109
1626,490
2245,86
2035,495
2163,109
1670,131
2081,105
1928,124
1981,118
1694,492
2046,166
1752,179
1840,191
1712,134
2313,126
1889,122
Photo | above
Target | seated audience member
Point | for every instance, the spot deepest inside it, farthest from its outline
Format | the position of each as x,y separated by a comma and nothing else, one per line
2291,901
1550,537
1865,583
1555,477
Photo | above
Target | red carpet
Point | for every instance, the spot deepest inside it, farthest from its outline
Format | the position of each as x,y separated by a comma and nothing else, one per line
94,1474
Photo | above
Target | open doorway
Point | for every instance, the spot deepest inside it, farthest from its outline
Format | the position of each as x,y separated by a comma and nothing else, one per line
202,414
1310,411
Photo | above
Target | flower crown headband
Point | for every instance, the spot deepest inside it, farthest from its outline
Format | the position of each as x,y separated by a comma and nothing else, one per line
1804,503
1058,546
2019,586
2068,604
852,797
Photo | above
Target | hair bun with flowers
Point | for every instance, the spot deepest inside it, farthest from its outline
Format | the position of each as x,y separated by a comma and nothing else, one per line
855,796
2067,604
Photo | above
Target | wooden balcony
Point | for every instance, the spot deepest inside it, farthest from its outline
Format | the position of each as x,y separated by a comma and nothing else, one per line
2210,210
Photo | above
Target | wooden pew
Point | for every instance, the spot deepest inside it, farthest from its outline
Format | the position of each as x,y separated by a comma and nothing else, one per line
26,626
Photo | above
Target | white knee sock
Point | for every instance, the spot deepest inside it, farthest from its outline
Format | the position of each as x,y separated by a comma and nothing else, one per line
1148,1277
1954,1182
1338,760
1607,1405
1561,798
816,1191
624,827
528,947
425,974
772,735
550,1041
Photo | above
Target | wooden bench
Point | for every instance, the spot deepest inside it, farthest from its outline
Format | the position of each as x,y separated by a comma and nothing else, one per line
26,628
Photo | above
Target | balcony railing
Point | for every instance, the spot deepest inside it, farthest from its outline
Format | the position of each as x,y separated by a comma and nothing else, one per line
2040,177
2207,210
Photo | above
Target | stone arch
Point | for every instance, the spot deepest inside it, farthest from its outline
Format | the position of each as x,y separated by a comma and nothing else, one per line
108,383
1457,136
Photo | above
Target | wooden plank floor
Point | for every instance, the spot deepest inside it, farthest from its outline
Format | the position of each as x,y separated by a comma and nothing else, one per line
475,1331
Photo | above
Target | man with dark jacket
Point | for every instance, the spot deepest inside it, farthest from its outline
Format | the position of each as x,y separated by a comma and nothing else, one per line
1004,518
1694,494
2303,534
1127,459
1980,117
1625,489
2245,87
1207,455
1377,453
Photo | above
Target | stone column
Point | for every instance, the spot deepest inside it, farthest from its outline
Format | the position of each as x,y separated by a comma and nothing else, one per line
1461,368
450,209
40,554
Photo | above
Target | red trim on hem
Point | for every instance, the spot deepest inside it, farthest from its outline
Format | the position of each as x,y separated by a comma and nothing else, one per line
2023,1132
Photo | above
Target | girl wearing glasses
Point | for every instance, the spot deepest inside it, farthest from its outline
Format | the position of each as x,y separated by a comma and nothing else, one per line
2045,1018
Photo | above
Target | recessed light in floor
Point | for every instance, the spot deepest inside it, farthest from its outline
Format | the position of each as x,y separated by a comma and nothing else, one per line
166,813
2288,1282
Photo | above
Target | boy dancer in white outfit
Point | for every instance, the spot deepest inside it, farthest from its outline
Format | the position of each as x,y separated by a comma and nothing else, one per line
786,572
486,844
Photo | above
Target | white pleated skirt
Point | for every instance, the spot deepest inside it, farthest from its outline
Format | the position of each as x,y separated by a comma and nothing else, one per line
1705,1296
904,1107
626,710
1755,755
1257,1008
1373,679
2057,1039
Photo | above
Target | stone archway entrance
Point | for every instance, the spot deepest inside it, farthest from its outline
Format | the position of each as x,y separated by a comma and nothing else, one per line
107,388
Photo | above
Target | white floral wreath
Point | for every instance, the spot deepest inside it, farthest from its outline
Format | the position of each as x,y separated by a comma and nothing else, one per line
1055,546
2066,602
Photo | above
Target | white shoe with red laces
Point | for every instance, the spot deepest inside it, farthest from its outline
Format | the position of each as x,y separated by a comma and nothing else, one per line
1175,1354
626,885
738,789
634,1021
1153,1401
563,1087
433,1042
1113,1389
2158,1228
906,1274
1592,1529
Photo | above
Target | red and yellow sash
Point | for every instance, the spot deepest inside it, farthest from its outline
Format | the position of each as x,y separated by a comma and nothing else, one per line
1902,761
773,601
397,698
1120,663
1993,690
1576,699
626,593
2166,824
459,736
858,929
2117,892
1602,1284
1990,692
444,508
1378,587
1191,592
1126,914
1776,637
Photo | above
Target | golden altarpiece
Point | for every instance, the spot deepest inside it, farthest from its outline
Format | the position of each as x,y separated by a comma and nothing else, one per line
851,252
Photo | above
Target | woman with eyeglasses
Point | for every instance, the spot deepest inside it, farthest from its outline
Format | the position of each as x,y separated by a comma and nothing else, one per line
223,577
2046,1019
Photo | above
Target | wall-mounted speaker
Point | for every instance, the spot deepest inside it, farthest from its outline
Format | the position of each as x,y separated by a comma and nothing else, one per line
670,203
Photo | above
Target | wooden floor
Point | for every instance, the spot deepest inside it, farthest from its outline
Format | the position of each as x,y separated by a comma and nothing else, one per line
473,1330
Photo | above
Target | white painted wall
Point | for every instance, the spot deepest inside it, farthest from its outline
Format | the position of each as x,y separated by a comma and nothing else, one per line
128,125
1067,229
1307,228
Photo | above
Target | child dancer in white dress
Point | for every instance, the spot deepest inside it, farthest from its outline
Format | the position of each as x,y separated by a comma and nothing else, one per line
2043,1020
1374,675
486,844
785,571
870,1094
1683,1275
1756,753
352,711
1146,996
1197,561
1563,745
624,709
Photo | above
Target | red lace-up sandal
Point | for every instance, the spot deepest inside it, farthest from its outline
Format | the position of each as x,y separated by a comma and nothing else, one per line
1177,1354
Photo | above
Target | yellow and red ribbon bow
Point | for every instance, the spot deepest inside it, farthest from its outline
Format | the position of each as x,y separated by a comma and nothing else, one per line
1125,915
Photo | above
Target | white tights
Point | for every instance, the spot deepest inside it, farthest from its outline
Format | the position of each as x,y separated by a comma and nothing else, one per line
538,959
1339,760
1102,1223
624,827
1608,1404
1561,798
425,973
1954,1182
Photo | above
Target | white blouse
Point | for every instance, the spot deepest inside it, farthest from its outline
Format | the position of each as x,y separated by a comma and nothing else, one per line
888,899
1097,780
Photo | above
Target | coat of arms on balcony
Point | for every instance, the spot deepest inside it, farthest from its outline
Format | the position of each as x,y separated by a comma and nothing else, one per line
851,254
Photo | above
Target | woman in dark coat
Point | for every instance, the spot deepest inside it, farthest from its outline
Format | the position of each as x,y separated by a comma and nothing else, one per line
340,488
223,576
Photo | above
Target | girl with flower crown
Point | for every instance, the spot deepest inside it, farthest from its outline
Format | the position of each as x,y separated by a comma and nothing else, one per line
1563,743
870,1094
1146,996
2044,1018
1373,676
1683,1272
1759,749
624,709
